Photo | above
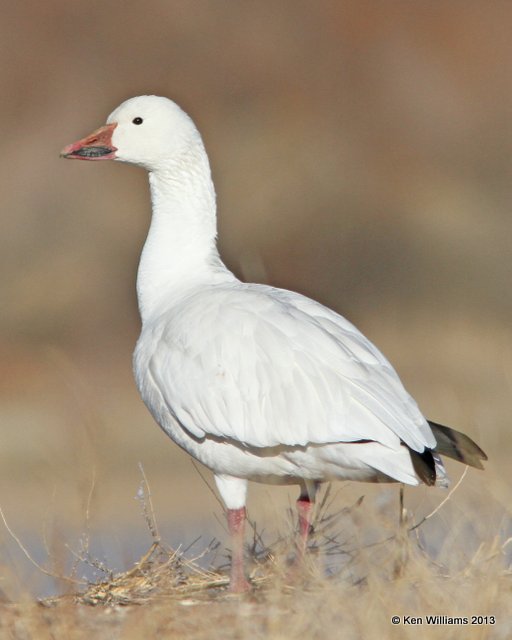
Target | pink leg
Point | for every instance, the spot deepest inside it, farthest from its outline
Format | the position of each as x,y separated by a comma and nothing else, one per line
236,525
305,511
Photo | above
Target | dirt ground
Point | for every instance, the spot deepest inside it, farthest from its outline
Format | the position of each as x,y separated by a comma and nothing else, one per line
318,610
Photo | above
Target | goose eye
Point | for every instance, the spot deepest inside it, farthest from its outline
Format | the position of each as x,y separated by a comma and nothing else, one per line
137,120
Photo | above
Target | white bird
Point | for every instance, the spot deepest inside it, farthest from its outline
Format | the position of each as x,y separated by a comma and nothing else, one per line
255,382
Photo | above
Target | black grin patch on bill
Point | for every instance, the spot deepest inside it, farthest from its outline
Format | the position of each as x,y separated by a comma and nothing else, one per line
91,152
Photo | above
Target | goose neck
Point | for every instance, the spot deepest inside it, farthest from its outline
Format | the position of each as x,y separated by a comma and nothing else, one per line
180,250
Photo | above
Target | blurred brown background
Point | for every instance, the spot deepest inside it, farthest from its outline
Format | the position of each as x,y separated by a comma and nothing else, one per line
362,155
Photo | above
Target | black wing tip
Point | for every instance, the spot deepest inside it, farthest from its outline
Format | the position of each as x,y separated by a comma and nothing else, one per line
424,465
457,445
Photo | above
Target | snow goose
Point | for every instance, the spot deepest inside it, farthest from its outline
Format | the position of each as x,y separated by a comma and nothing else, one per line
255,382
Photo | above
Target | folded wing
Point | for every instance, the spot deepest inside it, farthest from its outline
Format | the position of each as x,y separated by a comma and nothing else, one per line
267,367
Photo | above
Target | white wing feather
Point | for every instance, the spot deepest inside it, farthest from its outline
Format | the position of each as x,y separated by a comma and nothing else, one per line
268,367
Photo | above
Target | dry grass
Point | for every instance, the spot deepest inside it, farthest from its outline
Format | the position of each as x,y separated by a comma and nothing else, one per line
350,587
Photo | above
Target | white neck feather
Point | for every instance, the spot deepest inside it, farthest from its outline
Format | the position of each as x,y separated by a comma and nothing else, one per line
180,250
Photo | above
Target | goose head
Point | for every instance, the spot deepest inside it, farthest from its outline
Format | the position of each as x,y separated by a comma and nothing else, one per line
149,131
